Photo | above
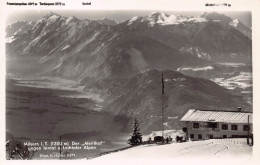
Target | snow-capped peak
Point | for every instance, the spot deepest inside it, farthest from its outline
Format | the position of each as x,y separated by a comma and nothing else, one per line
50,17
161,18
132,20
53,18
234,23
166,19
70,19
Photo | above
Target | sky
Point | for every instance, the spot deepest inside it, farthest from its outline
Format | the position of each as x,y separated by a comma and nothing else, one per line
116,15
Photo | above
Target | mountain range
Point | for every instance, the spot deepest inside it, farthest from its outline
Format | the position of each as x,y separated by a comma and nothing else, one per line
123,61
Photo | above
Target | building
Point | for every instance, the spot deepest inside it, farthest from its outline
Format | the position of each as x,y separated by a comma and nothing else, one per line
209,124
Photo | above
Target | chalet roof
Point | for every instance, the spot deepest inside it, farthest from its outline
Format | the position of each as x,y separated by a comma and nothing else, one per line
217,116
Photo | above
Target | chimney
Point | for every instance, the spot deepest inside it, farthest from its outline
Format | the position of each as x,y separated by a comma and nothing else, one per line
239,109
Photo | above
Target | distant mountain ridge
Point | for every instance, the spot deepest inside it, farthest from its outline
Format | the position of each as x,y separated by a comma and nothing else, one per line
107,21
55,37
233,22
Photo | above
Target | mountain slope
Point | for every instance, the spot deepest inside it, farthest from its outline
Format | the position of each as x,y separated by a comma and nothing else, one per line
224,41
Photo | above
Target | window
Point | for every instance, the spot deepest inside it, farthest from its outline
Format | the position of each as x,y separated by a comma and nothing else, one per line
192,136
196,125
233,127
246,127
224,136
212,125
224,127
199,136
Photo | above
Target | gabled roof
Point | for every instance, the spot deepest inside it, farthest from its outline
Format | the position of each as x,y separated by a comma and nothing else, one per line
217,116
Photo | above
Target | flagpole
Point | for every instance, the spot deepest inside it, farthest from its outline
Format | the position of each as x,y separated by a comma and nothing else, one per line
60,148
162,102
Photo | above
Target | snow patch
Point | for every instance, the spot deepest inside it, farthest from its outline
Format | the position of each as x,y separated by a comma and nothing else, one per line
52,19
179,79
153,116
165,19
132,20
43,59
86,42
90,96
67,46
175,79
195,51
243,80
57,66
197,19
9,39
234,23
166,124
114,36
149,81
173,117
196,69
230,64
70,19
231,150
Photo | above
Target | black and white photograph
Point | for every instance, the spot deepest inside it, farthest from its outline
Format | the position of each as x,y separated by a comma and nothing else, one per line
106,85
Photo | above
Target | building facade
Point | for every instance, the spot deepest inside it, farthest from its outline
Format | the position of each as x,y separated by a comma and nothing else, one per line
209,124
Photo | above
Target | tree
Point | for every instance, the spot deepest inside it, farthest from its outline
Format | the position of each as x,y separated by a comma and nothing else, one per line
16,150
136,137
